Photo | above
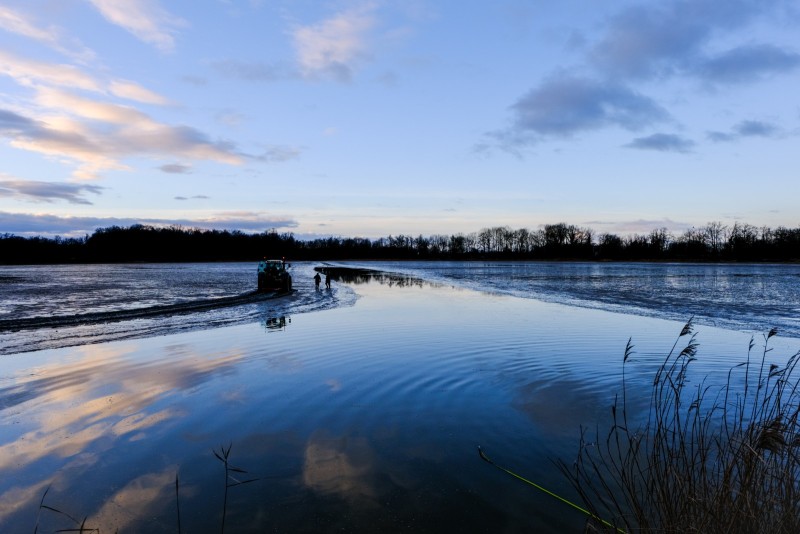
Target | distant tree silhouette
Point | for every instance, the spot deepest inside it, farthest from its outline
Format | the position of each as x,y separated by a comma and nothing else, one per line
560,241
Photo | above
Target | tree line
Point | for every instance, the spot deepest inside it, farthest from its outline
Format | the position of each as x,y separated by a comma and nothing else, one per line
560,241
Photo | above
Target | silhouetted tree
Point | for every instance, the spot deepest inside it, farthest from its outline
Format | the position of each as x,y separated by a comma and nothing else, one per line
553,241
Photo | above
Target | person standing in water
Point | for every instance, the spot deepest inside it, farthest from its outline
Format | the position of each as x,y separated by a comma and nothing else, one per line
317,280
328,280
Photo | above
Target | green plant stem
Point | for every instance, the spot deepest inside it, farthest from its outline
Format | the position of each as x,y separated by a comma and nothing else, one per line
545,490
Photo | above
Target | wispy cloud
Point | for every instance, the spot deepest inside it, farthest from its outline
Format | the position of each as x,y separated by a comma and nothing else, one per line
640,225
747,128
20,23
30,73
254,71
176,168
336,45
41,75
145,19
279,153
25,224
134,91
38,191
663,143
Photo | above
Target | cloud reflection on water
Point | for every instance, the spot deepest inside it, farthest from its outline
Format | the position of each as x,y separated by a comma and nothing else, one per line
343,466
144,496
76,407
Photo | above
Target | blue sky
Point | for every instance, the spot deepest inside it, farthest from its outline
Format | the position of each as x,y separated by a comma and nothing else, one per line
370,118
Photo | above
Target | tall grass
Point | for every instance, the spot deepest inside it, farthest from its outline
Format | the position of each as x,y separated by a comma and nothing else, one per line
702,458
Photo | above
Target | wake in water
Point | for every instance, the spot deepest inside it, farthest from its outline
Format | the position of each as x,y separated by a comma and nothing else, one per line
61,306
61,321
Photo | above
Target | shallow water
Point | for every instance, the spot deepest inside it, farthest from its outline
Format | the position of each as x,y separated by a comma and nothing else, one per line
361,410
745,297
45,307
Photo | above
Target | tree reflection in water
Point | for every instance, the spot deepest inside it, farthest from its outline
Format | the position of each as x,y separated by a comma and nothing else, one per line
357,275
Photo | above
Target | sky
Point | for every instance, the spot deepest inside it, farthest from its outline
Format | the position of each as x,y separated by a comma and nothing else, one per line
383,117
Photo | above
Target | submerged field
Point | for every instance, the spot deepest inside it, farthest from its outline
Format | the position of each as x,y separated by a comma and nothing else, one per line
359,408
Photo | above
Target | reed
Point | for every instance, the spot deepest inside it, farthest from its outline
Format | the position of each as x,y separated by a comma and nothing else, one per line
80,526
703,458
231,479
178,501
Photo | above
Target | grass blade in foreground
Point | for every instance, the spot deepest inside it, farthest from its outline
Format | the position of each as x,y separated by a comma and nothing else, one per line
545,490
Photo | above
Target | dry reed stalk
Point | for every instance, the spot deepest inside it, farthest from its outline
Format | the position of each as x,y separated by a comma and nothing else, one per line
230,480
705,459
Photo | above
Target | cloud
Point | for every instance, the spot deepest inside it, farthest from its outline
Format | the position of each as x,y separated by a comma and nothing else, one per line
565,105
29,73
721,137
254,71
665,38
756,129
663,143
676,39
134,91
242,220
641,225
16,22
38,136
145,19
279,154
44,76
19,23
98,134
197,197
230,118
38,191
14,122
746,64
197,81
25,224
747,128
176,168
334,46
643,41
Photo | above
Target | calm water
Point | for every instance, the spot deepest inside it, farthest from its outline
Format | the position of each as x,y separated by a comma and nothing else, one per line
356,409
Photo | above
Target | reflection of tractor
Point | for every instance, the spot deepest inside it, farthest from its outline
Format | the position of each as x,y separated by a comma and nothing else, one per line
273,276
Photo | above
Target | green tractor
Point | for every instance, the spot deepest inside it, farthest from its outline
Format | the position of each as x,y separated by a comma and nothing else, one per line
273,276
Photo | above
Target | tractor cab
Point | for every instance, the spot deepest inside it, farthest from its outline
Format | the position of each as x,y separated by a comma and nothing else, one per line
273,276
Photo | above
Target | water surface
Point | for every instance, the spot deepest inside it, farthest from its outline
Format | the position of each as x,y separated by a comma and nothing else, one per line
356,409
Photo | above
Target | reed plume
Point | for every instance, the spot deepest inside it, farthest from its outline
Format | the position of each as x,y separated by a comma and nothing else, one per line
702,458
